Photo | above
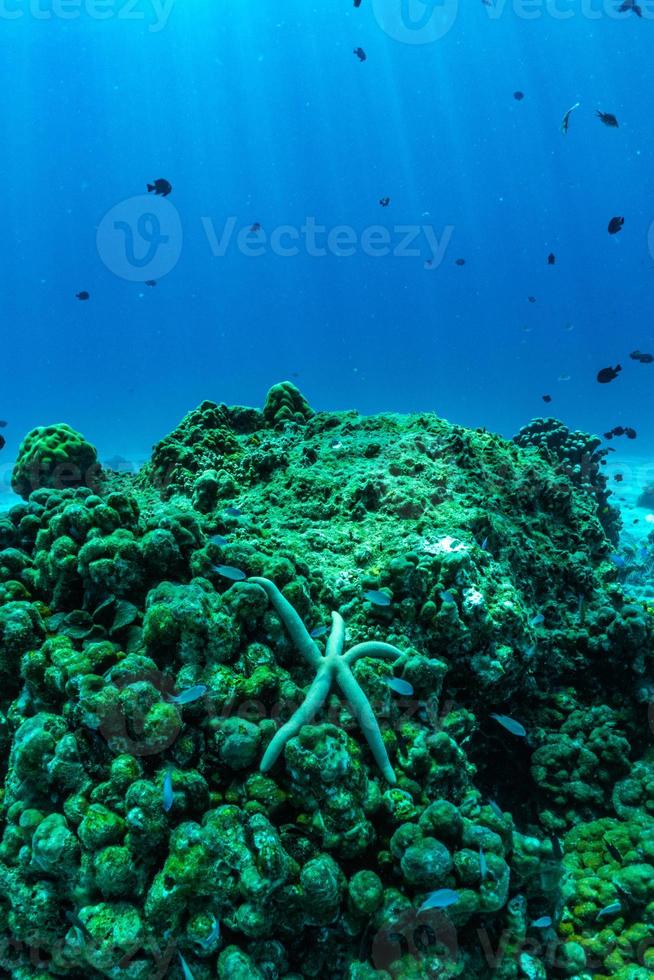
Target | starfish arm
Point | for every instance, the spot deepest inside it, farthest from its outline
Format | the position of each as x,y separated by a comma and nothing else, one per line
372,648
294,626
313,701
365,716
336,639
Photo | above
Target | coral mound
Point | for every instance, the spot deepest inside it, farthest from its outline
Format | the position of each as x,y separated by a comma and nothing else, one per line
54,456
158,630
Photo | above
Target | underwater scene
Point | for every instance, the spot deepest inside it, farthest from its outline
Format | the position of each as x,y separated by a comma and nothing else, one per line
327,490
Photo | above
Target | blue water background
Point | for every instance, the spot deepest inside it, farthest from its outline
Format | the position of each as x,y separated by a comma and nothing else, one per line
261,112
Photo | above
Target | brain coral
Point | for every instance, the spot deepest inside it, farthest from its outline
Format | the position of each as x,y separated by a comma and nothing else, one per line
54,456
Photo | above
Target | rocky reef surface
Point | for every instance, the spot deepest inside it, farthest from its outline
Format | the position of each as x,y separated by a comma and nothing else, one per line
203,775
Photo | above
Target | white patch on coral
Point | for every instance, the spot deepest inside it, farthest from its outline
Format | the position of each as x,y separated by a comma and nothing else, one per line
473,598
446,546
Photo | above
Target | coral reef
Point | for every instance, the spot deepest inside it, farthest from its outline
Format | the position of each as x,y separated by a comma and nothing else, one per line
581,460
468,803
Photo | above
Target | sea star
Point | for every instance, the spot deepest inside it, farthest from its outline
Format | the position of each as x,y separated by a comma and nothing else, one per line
335,665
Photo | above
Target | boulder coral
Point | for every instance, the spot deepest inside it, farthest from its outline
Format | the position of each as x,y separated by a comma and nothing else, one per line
54,456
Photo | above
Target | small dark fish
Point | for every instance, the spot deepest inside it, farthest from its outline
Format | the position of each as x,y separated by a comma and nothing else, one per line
613,851
228,571
440,899
150,282
565,122
255,228
618,478
385,201
218,540
213,936
608,374
608,910
459,261
621,430
83,296
532,299
615,225
77,922
518,96
636,355
233,511
3,424
185,967
161,186
547,398
168,793
377,598
483,864
557,850
317,632
189,695
510,724
496,809
360,53
630,5
544,922
357,3
607,118
551,258
400,686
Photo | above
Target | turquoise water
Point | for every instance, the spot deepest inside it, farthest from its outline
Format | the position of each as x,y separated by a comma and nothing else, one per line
262,113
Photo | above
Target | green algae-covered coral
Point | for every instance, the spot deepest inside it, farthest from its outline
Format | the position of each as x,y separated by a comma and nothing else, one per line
285,403
199,443
608,895
54,456
166,793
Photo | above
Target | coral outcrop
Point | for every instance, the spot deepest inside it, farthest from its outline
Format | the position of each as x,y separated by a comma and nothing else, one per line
55,456
158,630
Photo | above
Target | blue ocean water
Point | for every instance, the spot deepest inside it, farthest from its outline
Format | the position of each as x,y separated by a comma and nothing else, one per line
262,113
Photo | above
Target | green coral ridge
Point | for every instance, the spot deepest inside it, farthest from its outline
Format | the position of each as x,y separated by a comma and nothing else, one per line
181,776
54,456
